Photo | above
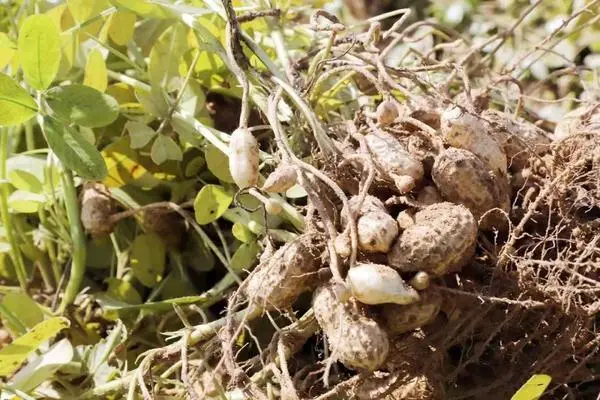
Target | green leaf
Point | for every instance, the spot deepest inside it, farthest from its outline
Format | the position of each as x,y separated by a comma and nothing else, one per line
122,25
139,134
148,259
170,46
16,105
24,180
164,149
210,203
153,102
39,50
242,233
74,151
96,75
144,8
123,290
43,367
23,306
218,163
13,355
21,201
83,105
245,256
7,50
533,389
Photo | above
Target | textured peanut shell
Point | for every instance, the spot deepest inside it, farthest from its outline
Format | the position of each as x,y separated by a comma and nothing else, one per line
586,117
405,318
463,178
280,279
280,180
442,240
97,207
466,131
520,139
392,158
355,340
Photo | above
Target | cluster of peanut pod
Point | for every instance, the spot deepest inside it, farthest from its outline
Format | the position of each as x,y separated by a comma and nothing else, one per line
453,189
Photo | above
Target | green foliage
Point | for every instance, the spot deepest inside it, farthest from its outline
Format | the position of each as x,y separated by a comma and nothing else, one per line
13,355
148,259
16,105
39,50
74,151
82,105
533,389
210,203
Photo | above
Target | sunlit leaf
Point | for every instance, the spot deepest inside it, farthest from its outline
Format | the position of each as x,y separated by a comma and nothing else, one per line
96,75
73,150
82,10
16,105
210,203
82,105
7,50
170,46
24,180
139,134
13,355
533,388
148,259
21,201
43,367
124,167
245,256
39,50
122,25
164,148
242,233
218,163
144,8
23,306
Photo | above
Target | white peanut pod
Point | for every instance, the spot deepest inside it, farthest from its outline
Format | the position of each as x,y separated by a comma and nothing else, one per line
280,180
376,232
379,284
243,158
466,131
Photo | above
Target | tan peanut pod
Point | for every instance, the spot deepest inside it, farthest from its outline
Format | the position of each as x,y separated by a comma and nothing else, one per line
442,240
355,340
466,131
97,208
243,158
401,319
166,223
582,118
280,180
386,113
520,139
379,284
279,280
463,178
420,281
393,160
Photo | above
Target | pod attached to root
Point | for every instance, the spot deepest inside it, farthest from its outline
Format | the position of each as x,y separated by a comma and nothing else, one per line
399,319
280,180
466,131
386,113
394,161
379,284
463,178
520,139
355,340
376,229
97,208
243,158
442,240
278,280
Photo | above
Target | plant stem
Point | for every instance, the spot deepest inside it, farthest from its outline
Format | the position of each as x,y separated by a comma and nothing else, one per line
29,138
15,252
77,238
